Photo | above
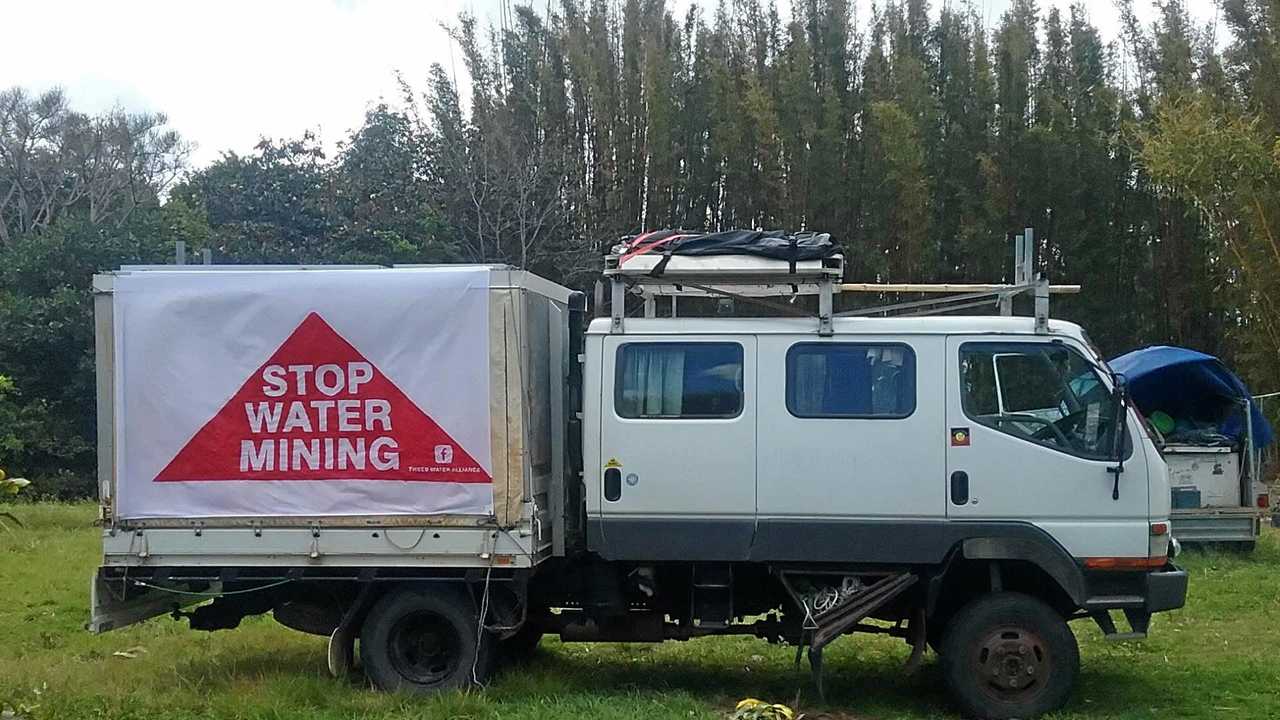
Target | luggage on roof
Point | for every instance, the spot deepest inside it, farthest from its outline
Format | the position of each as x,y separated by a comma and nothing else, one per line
775,244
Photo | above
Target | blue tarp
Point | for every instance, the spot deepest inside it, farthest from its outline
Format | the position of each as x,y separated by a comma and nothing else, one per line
1189,384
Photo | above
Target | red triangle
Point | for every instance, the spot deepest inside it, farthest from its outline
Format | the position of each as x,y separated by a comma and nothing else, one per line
336,415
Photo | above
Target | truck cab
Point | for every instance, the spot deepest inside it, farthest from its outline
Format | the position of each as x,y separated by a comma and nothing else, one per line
756,440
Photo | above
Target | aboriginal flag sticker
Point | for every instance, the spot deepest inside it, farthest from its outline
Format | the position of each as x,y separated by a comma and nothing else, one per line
960,437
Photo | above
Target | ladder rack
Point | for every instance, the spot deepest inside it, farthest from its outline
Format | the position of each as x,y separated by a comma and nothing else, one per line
752,279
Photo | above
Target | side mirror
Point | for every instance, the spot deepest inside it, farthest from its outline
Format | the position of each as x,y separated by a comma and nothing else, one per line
1120,427
1122,386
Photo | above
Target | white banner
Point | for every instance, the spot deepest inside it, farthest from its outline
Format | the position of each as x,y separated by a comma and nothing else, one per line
301,393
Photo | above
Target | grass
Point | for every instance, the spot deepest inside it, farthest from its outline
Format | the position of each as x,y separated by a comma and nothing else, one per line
1215,659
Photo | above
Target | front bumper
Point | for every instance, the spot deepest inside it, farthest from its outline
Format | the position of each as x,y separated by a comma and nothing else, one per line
1166,589
1148,592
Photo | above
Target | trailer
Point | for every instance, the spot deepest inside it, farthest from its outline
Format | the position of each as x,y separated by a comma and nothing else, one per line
1212,441
448,463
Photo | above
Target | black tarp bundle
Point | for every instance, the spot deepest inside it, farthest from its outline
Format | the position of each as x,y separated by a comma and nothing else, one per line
792,247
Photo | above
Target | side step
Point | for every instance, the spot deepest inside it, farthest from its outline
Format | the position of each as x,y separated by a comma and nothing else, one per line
711,595
1139,623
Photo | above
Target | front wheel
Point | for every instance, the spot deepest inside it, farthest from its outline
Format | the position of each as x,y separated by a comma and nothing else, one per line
424,639
1009,655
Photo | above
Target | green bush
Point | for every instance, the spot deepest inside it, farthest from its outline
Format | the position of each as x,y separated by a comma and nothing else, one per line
48,397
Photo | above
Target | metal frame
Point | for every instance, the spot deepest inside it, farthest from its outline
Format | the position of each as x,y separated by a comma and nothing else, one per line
276,546
745,278
759,278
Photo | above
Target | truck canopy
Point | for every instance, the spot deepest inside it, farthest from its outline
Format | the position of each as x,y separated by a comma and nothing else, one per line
286,395
1195,389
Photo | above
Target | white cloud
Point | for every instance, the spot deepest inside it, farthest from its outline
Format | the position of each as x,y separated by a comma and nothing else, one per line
227,73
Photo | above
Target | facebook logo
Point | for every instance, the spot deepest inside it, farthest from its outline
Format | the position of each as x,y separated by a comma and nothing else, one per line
444,454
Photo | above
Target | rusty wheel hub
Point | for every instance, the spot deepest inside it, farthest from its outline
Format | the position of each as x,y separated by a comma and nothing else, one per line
1012,664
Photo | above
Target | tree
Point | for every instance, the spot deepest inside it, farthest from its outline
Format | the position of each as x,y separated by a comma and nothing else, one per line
1229,168
381,190
1184,258
896,225
272,206
46,320
54,161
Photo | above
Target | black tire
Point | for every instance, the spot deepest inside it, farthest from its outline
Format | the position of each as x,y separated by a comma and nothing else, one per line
1009,655
423,640
521,646
933,636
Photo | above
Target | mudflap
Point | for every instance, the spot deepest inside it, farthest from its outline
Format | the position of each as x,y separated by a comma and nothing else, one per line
116,603
342,650
342,641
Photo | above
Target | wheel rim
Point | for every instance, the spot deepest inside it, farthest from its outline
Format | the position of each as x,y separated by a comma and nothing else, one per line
1012,664
425,648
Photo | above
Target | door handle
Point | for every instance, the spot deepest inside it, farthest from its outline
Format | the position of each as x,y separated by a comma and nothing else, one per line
612,484
959,487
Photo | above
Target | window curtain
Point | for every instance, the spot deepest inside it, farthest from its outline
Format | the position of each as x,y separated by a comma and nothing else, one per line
809,378
655,380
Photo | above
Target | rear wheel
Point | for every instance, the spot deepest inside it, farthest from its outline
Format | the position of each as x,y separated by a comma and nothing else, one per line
422,640
1009,655
522,645
934,635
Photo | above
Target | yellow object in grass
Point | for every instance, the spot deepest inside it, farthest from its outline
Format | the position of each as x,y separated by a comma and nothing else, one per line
753,709
11,486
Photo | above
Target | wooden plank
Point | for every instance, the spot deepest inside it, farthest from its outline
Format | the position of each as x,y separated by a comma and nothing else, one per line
945,288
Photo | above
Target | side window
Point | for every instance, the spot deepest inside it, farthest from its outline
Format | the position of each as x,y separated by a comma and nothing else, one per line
1043,392
851,380
678,380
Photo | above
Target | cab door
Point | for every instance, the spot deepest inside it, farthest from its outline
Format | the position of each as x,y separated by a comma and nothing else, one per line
1031,431
678,447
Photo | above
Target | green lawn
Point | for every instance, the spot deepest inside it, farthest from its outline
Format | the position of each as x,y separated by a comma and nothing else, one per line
1218,658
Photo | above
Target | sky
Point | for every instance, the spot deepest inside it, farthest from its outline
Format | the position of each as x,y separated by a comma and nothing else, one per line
227,73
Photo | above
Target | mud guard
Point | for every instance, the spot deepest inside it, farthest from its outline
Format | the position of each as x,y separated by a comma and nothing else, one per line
342,641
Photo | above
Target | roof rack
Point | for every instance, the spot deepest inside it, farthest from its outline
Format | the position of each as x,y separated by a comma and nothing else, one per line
748,277
752,279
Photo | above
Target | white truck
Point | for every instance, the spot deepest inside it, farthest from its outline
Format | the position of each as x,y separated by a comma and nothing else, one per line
448,463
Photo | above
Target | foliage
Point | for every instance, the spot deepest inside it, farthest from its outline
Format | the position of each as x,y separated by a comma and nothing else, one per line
10,437
46,319
10,486
55,161
1229,169
288,203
